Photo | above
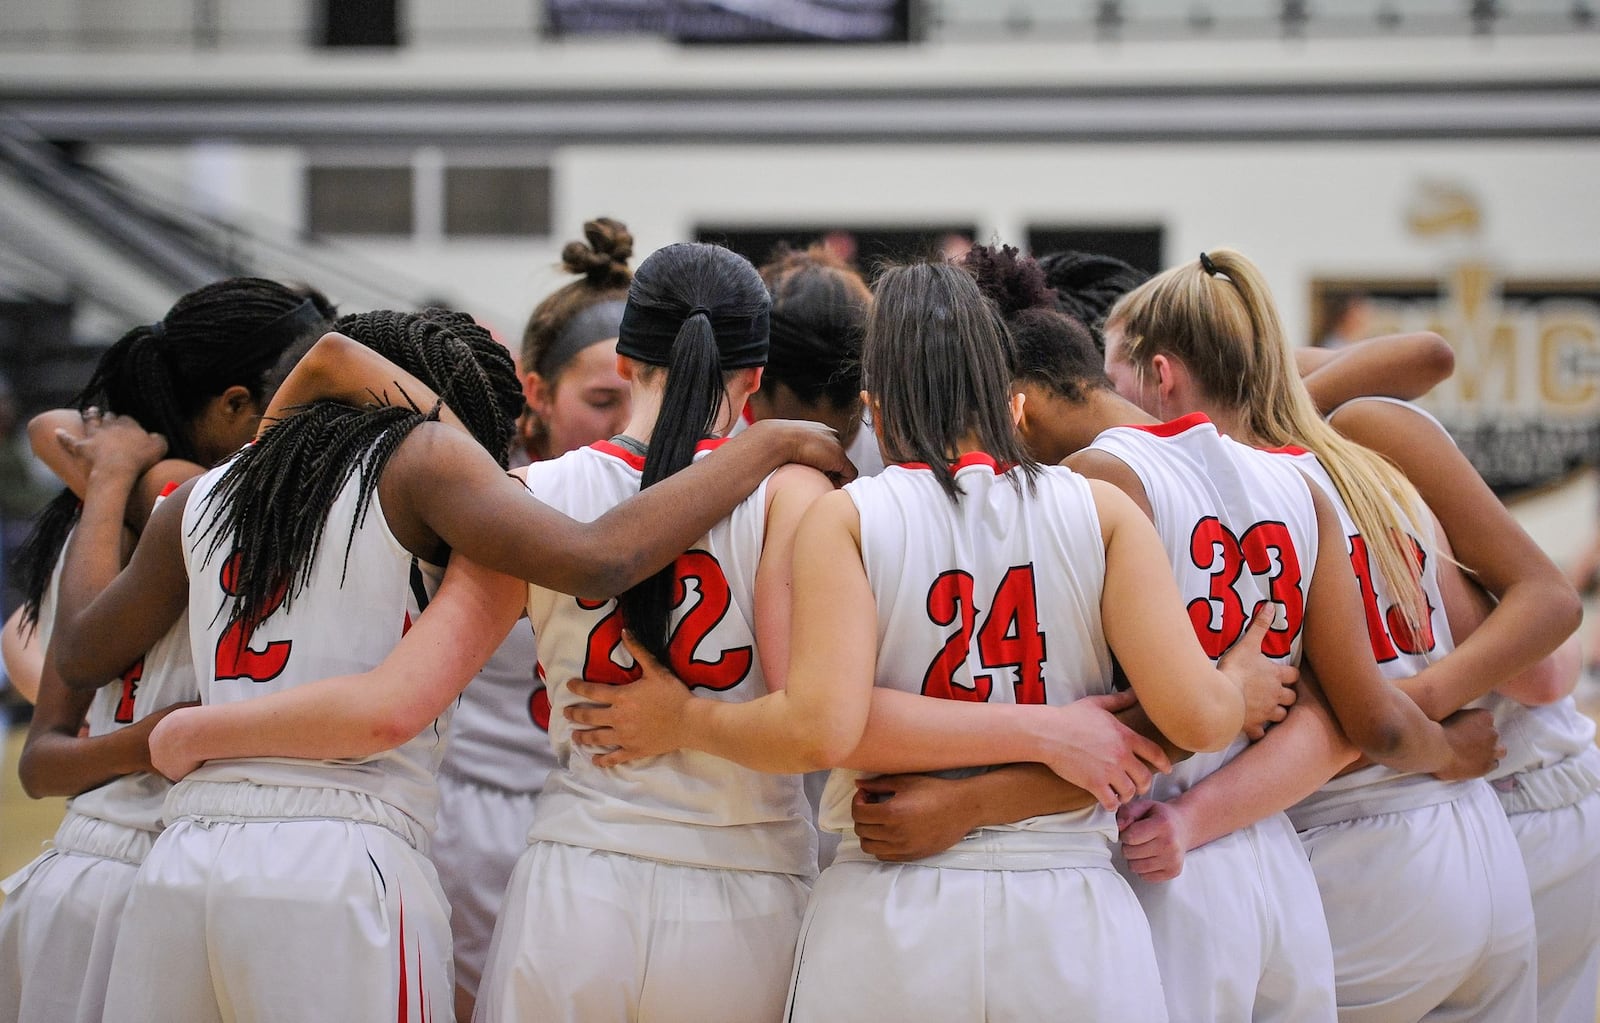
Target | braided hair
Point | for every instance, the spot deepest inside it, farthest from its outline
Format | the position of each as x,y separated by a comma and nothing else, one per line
227,334
271,505
1088,284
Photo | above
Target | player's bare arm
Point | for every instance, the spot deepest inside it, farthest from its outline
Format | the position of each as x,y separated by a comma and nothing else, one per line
448,487
57,760
339,368
1404,366
1382,721
1537,609
363,714
106,619
67,442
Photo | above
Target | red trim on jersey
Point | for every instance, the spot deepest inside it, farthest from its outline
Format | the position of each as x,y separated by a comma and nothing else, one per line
605,447
167,490
1287,449
403,1015
1173,427
967,460
747,415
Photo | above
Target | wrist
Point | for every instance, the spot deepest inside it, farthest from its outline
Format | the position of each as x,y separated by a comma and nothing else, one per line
694,722
112,477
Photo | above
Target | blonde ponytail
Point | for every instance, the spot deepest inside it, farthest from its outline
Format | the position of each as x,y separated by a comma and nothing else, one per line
1219,319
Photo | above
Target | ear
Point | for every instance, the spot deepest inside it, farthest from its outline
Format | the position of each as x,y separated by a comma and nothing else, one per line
1018,416
626,368
237,402
1166,371
870,405
535,393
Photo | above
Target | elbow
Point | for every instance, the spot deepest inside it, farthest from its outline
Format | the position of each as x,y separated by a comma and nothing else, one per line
1566,609
823,747
35,782
76,671
1208,730
391,731
1382,741
607,574
1438,357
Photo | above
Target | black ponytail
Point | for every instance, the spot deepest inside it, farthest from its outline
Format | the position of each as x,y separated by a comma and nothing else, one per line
225,334
689,407
701,311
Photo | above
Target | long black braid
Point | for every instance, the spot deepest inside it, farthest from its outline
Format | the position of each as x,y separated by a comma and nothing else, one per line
226,334
270,507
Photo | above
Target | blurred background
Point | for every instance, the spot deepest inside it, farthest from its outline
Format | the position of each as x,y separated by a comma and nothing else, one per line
1391,165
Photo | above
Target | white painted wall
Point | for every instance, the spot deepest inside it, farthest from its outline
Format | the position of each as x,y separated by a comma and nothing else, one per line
1300,210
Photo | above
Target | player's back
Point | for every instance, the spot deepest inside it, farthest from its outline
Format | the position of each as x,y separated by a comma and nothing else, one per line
162,677
1239,526
353,608
995,598
683,807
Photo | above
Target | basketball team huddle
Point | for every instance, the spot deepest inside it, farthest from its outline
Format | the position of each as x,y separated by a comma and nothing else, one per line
1010,640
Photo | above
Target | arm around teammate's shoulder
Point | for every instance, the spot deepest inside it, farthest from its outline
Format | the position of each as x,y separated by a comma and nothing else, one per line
473,506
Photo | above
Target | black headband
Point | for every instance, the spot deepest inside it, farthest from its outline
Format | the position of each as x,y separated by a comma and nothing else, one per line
648,334
599,322
293,323
806,359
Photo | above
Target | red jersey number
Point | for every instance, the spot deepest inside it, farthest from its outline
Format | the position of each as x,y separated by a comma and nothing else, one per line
1387,628
235,658
695,572
123,715
1008,638
1266,549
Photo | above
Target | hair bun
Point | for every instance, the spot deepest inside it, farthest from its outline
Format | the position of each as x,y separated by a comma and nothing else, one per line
604,259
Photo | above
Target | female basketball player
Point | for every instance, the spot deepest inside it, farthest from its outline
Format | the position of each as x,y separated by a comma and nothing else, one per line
1549,780
672,890
200,377
1442,929
1022,919
499,751
244,550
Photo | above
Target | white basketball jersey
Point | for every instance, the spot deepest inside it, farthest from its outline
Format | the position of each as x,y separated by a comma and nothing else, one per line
500,733
348,617
1400,652
993,599
162,677
1239,526
684,807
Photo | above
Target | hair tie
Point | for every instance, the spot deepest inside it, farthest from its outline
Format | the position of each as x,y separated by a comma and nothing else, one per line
698,310
1206,264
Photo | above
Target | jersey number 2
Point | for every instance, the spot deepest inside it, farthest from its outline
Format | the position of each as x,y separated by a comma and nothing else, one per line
235,659
728,669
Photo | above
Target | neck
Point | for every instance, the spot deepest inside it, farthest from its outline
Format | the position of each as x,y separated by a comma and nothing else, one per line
1231,422
646,409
